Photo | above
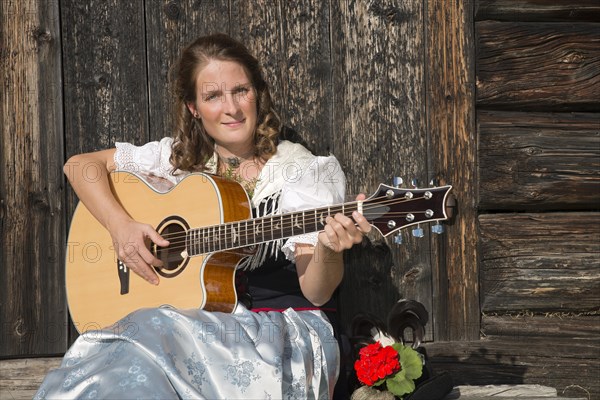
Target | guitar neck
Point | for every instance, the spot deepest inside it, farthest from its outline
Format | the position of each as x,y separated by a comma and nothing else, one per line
251,232
388,210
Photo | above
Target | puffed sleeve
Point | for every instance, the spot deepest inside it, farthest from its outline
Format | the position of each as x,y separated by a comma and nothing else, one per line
150,158
322,183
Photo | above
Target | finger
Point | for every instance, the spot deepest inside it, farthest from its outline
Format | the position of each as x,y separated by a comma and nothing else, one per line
329,238
360,196
346,222
345,231
146,272
149,258
363,225
131,255
128,252
155,237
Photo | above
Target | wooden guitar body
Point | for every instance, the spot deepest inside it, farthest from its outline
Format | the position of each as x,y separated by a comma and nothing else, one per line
101,289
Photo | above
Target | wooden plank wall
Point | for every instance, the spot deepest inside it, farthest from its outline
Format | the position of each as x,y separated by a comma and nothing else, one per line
450,80
538,126
33,313
352,78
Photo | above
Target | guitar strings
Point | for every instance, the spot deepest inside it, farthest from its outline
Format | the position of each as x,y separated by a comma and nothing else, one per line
220,238
335,208
246,233
223,242
178,241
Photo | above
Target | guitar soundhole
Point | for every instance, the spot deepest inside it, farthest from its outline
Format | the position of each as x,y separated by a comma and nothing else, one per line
174,256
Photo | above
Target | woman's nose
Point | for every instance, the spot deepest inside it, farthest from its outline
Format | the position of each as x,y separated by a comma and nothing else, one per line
231,105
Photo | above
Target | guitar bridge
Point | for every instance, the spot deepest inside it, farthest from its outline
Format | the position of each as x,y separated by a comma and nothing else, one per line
123,272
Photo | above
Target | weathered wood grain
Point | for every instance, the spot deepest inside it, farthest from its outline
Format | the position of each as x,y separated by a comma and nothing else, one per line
535,161
490,392
33,314
540,262
537,10
307,78
20,378
570,365
452,156
523,326
538,66
106,96
378,133
105,87
169,27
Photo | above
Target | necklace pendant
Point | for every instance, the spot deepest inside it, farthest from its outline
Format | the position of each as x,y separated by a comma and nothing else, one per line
233,162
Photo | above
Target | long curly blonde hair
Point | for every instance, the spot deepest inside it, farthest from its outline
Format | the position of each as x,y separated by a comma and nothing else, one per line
192,146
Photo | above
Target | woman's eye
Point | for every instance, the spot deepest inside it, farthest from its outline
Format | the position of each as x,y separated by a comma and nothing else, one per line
210,97
241,92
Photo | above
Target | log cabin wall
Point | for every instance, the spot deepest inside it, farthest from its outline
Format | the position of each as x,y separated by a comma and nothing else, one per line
389,87
538,128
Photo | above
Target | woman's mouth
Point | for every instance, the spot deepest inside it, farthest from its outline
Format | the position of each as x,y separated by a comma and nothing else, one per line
234,124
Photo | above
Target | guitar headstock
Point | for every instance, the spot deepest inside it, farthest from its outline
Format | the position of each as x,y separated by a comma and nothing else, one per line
390,208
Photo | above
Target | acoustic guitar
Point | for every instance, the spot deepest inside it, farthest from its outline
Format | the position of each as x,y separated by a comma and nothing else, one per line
208,222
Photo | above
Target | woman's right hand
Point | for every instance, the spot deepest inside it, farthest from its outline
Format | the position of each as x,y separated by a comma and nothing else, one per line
132,240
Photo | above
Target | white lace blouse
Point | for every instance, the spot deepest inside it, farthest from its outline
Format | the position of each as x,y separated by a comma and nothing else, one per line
301,179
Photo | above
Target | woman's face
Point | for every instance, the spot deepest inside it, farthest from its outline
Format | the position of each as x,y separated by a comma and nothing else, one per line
226,104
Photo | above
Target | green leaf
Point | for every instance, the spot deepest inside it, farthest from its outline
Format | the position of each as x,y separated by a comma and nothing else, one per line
400,387
412,368
411,362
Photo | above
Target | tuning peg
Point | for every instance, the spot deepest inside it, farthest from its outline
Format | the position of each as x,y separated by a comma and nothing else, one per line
398,181
435,182
398,239
418,232
437,228
414,182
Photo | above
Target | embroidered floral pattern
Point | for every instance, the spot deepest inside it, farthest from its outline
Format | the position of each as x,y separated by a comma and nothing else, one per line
137,375
195,369
241,374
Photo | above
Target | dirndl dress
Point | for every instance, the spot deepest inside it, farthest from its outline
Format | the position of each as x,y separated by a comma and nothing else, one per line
279,349
168,354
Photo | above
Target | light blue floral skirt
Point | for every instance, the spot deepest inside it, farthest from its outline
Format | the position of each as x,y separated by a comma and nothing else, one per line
192,354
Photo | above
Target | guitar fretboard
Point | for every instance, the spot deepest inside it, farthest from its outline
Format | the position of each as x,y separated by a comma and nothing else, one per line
260,230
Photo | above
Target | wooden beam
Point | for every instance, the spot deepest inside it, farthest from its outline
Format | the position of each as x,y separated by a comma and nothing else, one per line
540,262
105,88
538,161
307,81
568,364
450,116
525,326
33,311
21,378
538,10
106,94
538,66
378,133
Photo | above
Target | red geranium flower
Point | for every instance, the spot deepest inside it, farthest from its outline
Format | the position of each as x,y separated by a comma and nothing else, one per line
376,363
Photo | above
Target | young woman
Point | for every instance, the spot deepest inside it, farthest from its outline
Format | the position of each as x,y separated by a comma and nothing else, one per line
280,343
